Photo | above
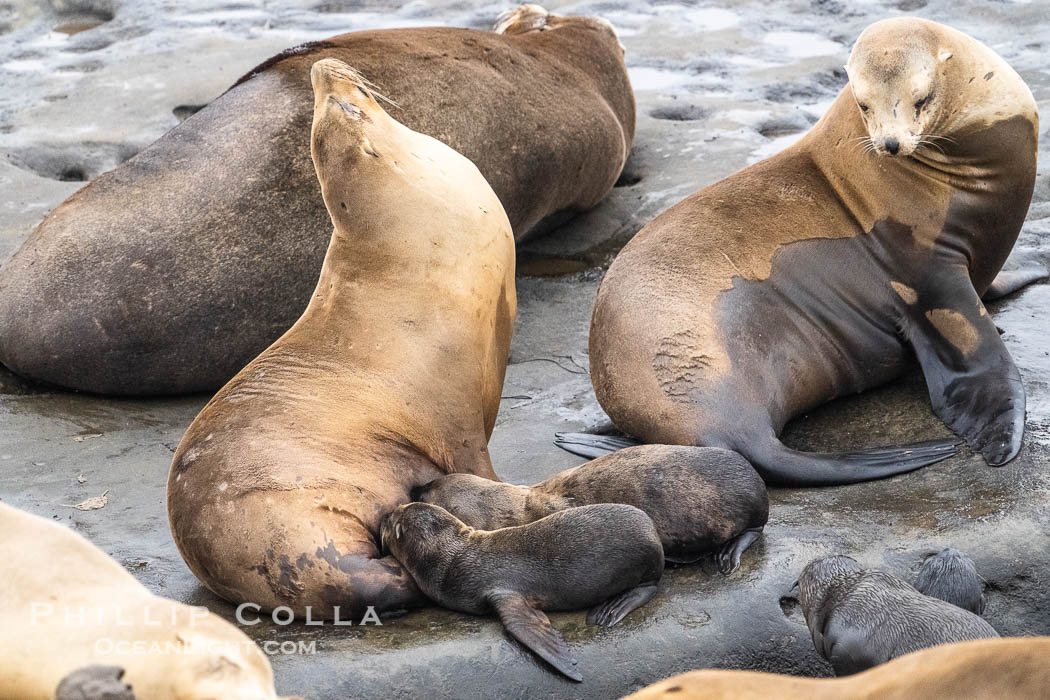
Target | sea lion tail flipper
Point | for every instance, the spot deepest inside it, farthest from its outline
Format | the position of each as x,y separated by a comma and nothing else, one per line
618,607
1009,281
591,446
780,465
974,385
729,556
532,628
94,683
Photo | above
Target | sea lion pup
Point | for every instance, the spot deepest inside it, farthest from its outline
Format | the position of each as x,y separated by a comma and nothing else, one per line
815,273
76,622
607,556
860,618
390,379
952,576
701,499
987,669
170,273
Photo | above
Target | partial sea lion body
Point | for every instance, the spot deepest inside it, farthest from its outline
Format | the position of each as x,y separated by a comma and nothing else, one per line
815,273
606,555
67,606
171,272
988,669
860,618
390,378
700,499
952,576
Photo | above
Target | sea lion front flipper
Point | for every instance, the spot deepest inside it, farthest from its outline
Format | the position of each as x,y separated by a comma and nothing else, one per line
532,628
974,385
94,683
729,557
618,607
591,446
1009,281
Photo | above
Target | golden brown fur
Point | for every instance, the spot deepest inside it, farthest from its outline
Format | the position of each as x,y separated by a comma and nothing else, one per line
390,378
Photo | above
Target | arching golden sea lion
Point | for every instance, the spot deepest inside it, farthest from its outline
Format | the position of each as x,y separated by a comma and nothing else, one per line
171,272
815,273
390,378
68,606
987,669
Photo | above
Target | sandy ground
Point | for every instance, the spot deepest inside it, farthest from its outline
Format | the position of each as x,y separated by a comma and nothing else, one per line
84,84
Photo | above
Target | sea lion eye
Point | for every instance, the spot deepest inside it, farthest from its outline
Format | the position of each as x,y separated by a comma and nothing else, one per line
863,107
920,103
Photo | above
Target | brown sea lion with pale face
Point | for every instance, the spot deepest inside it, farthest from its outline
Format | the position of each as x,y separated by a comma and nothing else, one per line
819,272
702,500
171,272
607,556
390,379
987,669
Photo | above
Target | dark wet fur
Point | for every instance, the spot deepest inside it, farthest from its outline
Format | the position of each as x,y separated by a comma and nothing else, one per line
94,683
952,576
860,618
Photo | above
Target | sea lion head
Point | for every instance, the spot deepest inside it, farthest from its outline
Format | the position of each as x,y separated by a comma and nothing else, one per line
534,18
421,533
481,503
818,582
952,576
897,72
344,109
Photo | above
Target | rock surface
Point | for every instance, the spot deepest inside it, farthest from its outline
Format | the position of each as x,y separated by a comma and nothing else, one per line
718,88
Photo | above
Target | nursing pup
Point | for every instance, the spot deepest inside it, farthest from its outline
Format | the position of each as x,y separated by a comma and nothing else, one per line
702,500
604,557
952,577
820,272
390,379
860,618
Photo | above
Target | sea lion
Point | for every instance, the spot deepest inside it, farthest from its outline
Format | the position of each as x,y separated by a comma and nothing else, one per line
390,378
815,273
72,614
607,556
952,576
989,669
860,618
170,273
701,499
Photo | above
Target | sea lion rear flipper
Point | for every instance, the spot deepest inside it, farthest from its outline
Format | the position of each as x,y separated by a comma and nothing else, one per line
729,557
618,607
974,385
94,683
591,446
1009,281
532,628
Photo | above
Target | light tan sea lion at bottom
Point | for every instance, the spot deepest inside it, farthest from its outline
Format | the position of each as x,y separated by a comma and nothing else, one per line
997,669
67,605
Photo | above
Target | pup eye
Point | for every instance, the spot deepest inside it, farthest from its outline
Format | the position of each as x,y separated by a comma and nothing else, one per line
863,107
920,103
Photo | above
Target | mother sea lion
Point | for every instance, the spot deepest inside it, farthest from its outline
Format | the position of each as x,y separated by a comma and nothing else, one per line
815,273
73,617
989,669
701,499
860,618
607,556
390,378
171,272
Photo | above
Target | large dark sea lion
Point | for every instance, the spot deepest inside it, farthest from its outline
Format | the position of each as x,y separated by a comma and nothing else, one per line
169,273
390,379
988,669
607,556
860,618
819,272
75,621
703,500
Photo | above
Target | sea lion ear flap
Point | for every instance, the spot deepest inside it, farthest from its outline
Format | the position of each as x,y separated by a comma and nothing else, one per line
943,55
521,19
532,628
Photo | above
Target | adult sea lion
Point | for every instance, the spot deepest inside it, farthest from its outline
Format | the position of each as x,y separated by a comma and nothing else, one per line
607,556
390,378
701,499
73,616
815,273
987,669
952,576
860,618
171,272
